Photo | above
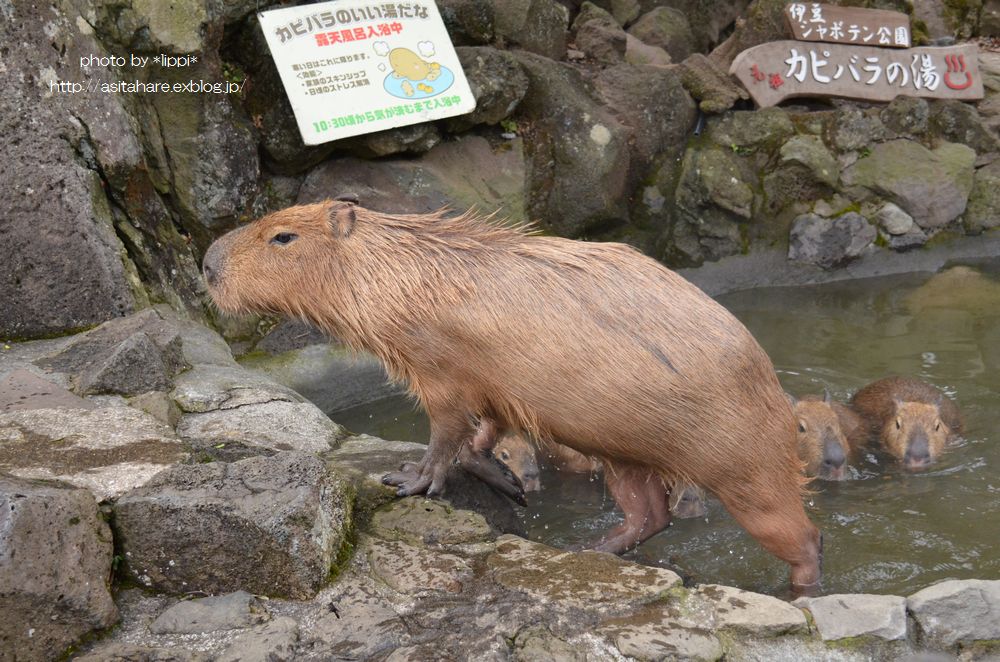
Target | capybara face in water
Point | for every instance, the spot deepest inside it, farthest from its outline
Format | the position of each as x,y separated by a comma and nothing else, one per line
912,420
824,427
590,345
514,451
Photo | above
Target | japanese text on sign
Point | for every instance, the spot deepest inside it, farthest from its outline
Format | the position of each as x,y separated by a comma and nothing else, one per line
778,70
813,21
351,67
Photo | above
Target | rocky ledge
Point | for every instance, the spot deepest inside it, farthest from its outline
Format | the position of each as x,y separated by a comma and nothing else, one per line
159,502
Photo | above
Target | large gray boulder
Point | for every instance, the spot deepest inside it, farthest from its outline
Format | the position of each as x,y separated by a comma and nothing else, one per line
932,186
857,615
667,28
578,159
957,611
983,211
537,26
55,568
497,81
829,242
267,525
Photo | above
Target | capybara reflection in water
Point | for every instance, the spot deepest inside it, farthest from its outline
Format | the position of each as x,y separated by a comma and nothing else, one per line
591,345
829,433
525,460
911,419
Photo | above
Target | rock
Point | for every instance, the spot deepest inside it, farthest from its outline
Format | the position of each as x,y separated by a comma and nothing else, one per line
158,405
412,139
462,173
538,643
469,22
537,26
219,612
931,186
55,565
652,104
857,615
498,83
412,570
363,627
266,525
602,42
712,87
748,612
236,432
644,640
109,450
23,390
830,242
907,115
894,220
582,580
289,334
422,521
957,611
331,377
960,123
765,129
667,28
578,158
810,152
125,356
638,52
764,21
912,239
271,642
855,129
121,652
983,211
207,388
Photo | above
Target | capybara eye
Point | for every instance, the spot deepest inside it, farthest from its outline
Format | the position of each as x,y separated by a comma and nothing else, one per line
802,426
937,425
504,455
899,423
283,238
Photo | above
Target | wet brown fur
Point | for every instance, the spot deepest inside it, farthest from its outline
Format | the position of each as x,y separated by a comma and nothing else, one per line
591,345
820,418
894,408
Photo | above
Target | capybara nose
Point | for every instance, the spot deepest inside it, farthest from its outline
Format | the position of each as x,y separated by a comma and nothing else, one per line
211,265
833,455
918,454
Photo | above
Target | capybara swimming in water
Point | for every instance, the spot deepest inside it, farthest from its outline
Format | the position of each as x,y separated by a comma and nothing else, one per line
911,419
591,345
828,434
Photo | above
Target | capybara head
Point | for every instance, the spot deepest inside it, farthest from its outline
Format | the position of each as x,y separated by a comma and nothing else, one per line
269,265
519,456
916,435
822,443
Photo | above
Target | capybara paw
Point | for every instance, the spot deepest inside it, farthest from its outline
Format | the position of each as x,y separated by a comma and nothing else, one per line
487,468
408,473
417,486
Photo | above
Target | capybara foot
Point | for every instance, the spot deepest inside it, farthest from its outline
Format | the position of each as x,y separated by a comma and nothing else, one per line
417,479
806,576
619,540
487,468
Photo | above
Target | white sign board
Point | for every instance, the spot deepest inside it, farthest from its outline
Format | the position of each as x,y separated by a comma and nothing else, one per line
351,67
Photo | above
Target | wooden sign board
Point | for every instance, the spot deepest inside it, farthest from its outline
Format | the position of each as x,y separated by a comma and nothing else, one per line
813,21
777,70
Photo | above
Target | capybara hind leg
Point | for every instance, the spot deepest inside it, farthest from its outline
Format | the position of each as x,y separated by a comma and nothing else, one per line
780,525
643,499
448,432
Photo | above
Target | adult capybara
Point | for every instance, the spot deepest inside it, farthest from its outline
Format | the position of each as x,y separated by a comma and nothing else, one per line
591,345
911,419
829,433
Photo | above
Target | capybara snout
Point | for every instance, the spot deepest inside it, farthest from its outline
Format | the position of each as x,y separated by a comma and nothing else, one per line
912,420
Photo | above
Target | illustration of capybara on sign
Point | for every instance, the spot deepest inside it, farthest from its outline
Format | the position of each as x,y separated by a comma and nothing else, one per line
591,345
828,434
407,64
911,419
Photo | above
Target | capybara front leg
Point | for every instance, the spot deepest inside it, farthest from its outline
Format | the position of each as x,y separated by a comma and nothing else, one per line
643,498
476,457
776,518
448,431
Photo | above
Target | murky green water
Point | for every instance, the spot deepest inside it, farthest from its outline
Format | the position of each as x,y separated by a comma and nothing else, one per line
886,531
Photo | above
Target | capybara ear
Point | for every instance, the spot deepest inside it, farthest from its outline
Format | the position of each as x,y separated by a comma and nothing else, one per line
342,219
827,398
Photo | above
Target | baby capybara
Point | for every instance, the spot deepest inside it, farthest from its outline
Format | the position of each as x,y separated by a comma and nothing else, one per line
911,419
828,434
514,450
591,345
